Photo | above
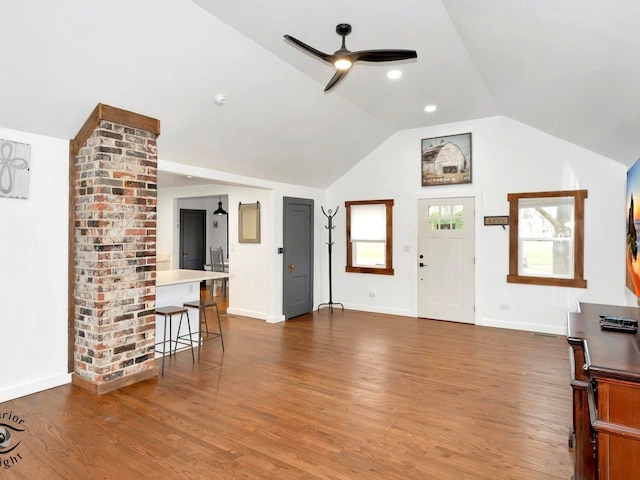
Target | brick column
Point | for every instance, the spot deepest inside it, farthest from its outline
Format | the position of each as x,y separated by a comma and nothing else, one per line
114,237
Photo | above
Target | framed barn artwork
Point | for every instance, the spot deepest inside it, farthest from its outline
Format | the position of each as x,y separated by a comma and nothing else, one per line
446,160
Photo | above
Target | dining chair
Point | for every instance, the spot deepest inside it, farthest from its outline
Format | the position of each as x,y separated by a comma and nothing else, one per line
217,265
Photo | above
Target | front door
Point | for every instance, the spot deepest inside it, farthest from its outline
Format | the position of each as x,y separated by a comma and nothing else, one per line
446,273
297,284
192,239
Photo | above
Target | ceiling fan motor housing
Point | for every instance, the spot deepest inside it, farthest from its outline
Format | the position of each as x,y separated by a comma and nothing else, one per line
343,29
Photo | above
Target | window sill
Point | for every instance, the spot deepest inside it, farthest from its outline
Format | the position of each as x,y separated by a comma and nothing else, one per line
378,271
553,282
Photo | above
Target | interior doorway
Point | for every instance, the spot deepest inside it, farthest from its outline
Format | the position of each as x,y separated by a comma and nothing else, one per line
192,239
446,262
297,283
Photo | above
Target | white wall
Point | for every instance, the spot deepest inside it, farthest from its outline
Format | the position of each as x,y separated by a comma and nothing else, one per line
508,157
255,283
33,272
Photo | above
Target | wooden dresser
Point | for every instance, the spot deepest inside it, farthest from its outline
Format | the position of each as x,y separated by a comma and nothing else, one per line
605,379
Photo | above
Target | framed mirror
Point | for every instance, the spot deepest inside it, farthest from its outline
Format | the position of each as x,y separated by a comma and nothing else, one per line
249,222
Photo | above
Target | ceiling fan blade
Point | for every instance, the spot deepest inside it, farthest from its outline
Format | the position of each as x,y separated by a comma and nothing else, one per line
339,75
311,50
383,55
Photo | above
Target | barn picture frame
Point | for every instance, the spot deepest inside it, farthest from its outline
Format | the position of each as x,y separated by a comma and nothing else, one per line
446,160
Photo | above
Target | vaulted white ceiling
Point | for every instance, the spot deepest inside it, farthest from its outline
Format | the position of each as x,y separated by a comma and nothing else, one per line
568,68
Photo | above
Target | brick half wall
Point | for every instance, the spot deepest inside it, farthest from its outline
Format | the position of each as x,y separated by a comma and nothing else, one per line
114,232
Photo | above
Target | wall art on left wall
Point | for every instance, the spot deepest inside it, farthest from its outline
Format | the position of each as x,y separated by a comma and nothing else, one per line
15,162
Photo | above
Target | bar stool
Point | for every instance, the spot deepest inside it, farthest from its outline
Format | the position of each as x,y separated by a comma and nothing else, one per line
202,305
168,312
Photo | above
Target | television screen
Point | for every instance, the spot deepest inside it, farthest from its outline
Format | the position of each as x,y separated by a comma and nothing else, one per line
633,228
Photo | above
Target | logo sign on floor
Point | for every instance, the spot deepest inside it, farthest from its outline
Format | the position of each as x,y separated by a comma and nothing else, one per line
12,428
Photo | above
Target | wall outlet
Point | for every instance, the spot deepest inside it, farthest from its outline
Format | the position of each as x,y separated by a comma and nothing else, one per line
504,306
372,293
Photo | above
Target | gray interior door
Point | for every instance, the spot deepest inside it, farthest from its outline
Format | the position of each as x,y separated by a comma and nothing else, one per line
192,239
297,288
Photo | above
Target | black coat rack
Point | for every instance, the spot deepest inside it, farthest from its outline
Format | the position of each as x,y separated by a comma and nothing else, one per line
330,227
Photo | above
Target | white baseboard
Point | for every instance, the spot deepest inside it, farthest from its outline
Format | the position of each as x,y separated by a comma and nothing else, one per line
34,387
486,322
528,327
252,314
368,308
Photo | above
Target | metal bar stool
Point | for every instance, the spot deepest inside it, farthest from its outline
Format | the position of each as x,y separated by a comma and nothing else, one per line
168,312
202,305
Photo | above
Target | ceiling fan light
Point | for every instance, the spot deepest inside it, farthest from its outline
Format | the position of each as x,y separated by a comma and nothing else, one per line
342,64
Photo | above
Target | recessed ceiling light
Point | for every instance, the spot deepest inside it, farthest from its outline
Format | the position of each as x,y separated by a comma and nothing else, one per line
221,99
394,74
430,108
189,176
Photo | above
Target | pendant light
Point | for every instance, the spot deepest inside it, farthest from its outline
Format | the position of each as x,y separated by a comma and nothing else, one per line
220,210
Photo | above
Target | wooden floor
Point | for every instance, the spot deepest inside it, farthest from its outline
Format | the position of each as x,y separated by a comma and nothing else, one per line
342,395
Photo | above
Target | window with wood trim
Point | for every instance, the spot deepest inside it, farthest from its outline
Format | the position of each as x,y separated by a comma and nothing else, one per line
546,238
369,236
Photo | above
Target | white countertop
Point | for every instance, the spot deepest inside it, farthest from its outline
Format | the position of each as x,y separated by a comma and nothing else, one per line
173,277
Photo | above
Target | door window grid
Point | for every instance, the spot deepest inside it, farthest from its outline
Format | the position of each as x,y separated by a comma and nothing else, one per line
446,217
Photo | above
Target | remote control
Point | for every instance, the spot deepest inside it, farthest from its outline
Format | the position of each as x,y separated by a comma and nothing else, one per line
618,324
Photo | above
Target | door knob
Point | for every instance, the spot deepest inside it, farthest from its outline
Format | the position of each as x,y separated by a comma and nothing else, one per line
184,254
291,268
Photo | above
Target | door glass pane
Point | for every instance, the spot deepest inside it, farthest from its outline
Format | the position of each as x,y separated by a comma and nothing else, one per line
457,222
434,217
446,217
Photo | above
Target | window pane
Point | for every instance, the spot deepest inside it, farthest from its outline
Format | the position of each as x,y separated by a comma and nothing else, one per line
547,246
369,254
545,202
546,231
369,236
368,222
546,257
546,222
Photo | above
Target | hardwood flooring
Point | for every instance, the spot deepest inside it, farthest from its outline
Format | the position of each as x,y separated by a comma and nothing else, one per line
343,395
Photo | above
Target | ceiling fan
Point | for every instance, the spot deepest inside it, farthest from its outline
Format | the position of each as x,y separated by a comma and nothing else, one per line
343,59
